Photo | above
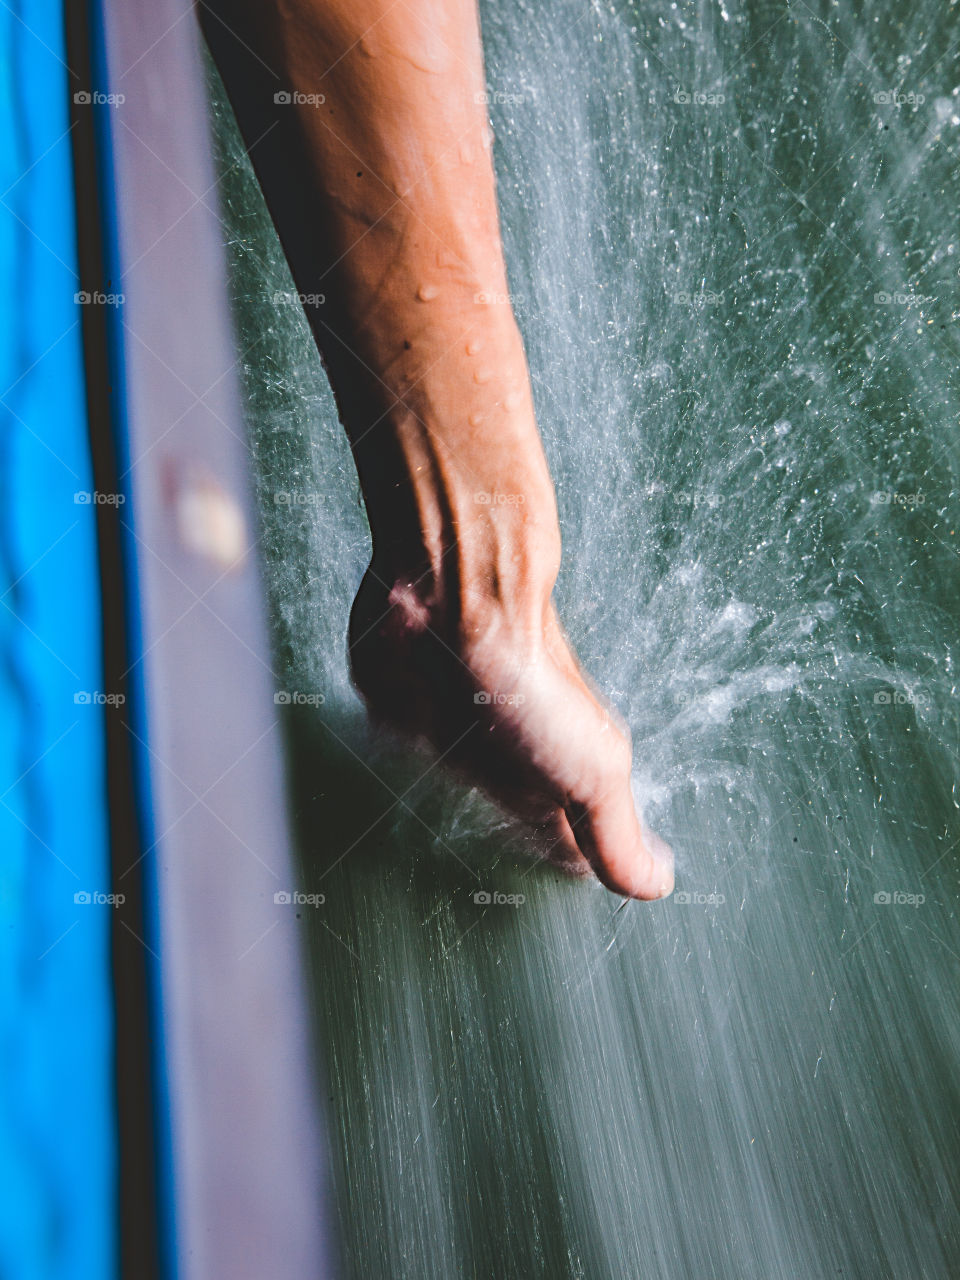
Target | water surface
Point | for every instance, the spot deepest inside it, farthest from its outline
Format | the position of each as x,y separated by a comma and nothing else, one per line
733,250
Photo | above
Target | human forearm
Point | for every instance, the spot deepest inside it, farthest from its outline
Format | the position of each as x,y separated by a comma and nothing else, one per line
379,176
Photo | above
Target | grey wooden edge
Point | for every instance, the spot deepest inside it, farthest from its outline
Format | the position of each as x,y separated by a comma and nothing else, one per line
246,1162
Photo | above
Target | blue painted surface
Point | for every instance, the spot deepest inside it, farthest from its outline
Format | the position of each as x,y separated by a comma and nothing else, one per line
57,1140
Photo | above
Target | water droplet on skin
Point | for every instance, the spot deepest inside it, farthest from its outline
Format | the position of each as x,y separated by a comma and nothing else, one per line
369,47
473,346
483,375
432,61
475,419
513,400
427,292
467,153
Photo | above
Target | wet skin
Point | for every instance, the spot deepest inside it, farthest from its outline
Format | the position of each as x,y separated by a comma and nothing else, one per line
376,165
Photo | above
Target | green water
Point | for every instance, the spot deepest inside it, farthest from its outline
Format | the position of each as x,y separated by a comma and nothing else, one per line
741,319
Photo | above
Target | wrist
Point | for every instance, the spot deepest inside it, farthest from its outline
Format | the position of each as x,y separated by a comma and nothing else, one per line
463,537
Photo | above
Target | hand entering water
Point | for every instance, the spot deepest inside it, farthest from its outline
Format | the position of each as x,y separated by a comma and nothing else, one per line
503,701
366,122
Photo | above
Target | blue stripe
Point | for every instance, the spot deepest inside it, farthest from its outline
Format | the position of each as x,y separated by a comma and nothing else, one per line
57,1139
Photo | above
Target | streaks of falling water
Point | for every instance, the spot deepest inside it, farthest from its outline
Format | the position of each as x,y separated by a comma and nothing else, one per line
733,232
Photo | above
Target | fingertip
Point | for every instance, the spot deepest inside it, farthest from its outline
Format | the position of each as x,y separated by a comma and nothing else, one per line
626,857
661,861
648,873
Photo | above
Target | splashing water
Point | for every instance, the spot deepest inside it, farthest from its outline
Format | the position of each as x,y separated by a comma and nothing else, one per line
733,254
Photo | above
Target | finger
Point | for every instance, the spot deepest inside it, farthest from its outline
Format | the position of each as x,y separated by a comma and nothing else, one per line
626,857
